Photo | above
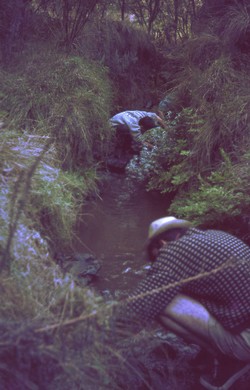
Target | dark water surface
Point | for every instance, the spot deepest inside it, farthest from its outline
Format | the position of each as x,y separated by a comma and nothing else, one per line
114,228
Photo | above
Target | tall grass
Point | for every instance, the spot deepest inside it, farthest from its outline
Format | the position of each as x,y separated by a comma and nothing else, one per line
46,87
236,24
60,103
57,336
211,87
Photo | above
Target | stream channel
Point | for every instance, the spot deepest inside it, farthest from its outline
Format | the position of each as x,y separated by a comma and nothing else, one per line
114,228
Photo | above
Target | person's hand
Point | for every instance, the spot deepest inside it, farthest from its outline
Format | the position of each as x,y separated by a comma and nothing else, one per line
161,122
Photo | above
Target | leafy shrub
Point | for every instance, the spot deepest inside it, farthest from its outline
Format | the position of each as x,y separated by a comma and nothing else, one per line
222,196
166,166
148,163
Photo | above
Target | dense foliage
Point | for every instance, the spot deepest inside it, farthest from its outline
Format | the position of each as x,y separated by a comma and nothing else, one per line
203,157
57,69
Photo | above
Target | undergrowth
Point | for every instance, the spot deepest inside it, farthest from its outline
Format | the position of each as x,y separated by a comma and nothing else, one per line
46,86
53,334
204,159
55,105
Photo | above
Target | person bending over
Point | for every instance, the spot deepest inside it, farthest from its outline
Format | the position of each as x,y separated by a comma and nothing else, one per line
131,119
129,126
198,288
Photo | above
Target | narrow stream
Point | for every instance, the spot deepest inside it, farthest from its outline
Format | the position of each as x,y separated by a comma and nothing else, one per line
114,228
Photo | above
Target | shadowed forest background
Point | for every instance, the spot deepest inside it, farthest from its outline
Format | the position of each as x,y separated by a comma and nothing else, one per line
66,67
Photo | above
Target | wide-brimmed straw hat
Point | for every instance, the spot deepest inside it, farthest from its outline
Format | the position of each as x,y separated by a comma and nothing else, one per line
164,224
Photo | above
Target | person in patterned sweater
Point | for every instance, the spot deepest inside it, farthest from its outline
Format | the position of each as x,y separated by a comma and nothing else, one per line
198,287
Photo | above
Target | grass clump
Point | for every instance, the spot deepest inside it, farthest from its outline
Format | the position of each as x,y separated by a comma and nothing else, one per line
49,197
50,86
73,341
57,198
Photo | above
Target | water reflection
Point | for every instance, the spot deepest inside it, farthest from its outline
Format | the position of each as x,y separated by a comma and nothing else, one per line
115,228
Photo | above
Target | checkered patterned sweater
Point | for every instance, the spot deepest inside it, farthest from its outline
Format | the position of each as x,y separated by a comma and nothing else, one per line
210,266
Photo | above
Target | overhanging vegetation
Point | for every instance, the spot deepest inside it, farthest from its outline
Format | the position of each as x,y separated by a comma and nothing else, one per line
57,94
